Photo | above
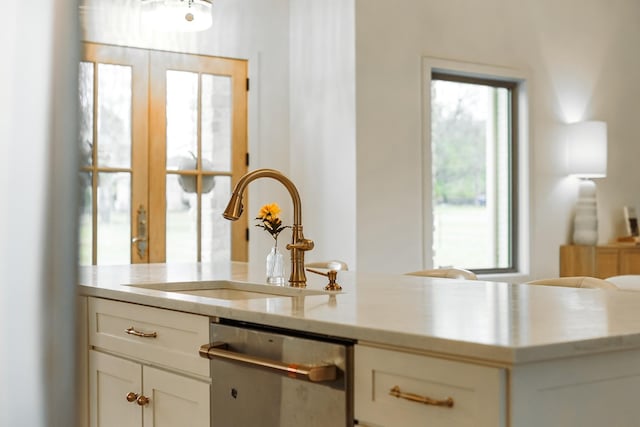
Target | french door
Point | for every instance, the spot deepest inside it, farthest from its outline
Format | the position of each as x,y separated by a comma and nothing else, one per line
163,138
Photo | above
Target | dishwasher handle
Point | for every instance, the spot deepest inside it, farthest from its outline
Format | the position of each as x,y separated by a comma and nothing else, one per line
310,373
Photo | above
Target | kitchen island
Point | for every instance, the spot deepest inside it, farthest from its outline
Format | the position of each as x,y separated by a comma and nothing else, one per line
512,355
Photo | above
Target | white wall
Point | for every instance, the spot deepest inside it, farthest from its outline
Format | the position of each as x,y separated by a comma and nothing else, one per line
322,112
38,87
583,62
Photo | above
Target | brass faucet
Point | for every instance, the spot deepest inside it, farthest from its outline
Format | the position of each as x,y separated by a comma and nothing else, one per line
298,244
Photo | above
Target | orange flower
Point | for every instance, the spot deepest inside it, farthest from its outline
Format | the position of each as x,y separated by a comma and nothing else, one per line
270,211
270,220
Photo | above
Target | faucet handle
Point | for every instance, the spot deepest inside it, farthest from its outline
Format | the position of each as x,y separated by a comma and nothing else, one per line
302,245
332,275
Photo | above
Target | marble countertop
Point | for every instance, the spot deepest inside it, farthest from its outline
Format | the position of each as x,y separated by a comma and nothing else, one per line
485,321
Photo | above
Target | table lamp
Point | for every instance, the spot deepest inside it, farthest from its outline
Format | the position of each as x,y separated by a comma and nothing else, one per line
586,160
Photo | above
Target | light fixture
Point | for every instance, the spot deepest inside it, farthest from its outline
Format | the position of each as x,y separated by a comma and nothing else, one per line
177,15
586,159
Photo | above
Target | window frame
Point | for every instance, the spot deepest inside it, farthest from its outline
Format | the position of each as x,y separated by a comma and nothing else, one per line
498,77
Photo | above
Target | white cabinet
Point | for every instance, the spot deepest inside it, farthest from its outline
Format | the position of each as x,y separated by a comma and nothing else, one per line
144,368
590,390
82,362
394,388
125,393
162,337
111,379
593,390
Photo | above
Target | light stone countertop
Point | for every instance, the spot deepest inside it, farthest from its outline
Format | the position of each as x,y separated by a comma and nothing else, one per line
489,322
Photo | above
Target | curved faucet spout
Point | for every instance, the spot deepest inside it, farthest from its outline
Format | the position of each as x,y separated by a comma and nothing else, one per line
235,206
298,244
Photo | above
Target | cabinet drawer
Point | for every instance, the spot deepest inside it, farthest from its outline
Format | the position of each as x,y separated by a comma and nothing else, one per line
478,392
178,336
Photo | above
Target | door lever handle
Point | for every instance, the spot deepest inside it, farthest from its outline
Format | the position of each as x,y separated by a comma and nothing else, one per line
140,241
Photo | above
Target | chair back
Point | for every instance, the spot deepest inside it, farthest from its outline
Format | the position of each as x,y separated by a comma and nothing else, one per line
629,282
575,282
449,273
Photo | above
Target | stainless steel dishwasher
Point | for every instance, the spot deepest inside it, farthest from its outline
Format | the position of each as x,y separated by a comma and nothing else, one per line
273,377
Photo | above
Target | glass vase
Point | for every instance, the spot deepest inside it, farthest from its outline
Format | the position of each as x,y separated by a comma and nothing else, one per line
275,266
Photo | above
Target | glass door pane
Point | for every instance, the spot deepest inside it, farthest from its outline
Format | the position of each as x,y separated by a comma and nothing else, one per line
86,94
113,164
114,115
182,120
216,122
182,223
182,230
196,162
85,141
216,247
85,235
114,218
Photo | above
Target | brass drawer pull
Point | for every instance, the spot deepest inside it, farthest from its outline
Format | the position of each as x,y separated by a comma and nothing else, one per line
131,396
132,331
395,391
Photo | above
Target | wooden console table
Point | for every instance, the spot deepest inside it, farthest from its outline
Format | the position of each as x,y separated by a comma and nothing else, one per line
599,261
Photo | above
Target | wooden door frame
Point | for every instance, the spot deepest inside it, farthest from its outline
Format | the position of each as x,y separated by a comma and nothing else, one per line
236,69
137,59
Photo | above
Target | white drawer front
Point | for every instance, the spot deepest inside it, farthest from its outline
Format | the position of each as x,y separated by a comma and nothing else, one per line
178,336
478,392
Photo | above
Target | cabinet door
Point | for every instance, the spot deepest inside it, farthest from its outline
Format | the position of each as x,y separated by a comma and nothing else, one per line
587,391
82,363
175,400
630,261
111,379
606,262
577,260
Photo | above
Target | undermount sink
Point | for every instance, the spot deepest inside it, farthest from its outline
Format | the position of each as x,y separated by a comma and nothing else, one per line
227,290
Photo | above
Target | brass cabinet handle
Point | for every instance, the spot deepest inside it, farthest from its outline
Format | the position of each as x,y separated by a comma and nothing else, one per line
142,400
395,391
132,331
309,373
131,396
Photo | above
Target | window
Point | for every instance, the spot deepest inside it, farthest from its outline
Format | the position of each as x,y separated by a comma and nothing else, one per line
474,172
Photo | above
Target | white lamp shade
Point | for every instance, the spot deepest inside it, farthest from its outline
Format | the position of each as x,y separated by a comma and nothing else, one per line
587,149
177,15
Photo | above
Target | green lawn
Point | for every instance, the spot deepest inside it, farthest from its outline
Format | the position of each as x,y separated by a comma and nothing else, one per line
461,233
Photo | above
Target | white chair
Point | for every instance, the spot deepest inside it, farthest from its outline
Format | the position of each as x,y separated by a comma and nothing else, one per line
448,273
629,282
330,265
575,282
